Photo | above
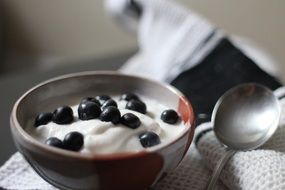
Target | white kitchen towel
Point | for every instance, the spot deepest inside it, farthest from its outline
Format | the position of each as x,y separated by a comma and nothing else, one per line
263,168
172,39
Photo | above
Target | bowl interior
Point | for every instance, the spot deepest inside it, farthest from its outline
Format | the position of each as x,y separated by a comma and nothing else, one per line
70,89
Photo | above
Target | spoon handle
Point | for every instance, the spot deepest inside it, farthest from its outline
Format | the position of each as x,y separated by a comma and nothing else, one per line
217,170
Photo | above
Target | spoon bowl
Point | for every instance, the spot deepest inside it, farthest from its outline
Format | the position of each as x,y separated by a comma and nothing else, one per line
246,116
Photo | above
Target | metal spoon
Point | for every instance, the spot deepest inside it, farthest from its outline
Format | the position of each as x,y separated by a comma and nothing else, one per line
244,118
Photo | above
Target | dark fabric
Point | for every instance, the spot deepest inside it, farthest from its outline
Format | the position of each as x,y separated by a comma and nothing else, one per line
226,66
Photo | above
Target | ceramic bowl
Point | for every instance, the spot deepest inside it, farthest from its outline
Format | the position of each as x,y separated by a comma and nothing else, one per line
72,170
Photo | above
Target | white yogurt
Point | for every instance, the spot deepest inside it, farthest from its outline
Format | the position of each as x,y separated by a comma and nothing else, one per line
105,137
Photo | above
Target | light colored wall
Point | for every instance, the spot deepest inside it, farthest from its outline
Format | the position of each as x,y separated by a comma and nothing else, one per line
68,28
74,29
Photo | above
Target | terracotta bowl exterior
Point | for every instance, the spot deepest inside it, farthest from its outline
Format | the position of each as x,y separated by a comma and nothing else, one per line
121,171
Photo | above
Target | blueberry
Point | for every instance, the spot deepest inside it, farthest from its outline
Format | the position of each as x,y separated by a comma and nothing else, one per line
111,114
169,116
102,98
130,120
73,141
149,139
63,115
90,99
136,105
88,110
55,142
129,96
108,103
43,118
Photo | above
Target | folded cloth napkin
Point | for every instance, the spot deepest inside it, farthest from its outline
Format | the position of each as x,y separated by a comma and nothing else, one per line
263,168
182,48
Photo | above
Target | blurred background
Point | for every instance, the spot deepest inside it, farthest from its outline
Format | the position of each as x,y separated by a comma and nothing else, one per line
44,34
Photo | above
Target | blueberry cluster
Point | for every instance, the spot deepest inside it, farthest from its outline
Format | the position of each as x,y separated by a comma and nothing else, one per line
102,107
106,109
61,115
72,141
